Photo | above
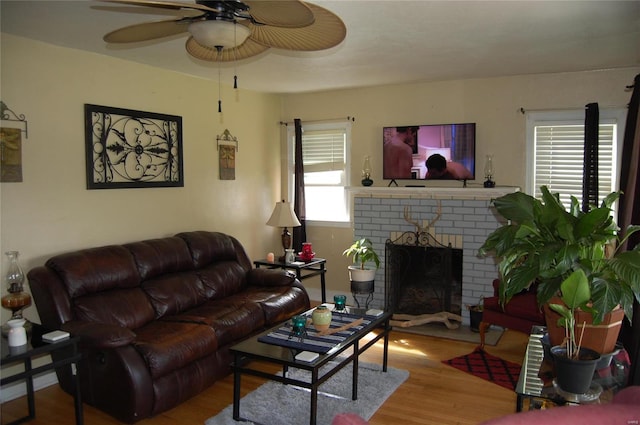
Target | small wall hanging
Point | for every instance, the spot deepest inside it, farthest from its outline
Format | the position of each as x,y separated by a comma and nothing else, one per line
227,148
11,145
132,149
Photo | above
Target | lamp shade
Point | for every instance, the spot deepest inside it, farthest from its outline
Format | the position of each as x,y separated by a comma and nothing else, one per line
217,33
283,216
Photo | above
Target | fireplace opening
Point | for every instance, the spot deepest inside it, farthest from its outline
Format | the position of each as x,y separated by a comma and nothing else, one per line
422,276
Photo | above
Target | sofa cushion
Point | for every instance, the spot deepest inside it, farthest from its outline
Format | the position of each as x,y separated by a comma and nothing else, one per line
212,247
222,279
156,257
96,269
232,318
129,308
168,346
175,293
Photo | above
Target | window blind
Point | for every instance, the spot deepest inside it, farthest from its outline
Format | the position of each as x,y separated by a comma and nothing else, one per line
324,150
559,153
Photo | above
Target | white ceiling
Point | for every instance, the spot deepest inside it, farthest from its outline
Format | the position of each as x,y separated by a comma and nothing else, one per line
388,42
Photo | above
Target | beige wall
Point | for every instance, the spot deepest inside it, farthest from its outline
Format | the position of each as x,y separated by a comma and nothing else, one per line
51,211
493,104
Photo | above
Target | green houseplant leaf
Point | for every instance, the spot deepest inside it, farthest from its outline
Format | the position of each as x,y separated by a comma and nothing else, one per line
362,252
545,242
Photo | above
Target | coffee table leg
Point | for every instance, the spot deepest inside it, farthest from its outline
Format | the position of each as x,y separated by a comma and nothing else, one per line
356,354
236,388
385,352
314,397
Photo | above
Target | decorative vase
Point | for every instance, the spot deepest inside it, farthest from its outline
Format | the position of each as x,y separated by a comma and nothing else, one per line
307,253
17,334
475,317
290,256
574,375
321,318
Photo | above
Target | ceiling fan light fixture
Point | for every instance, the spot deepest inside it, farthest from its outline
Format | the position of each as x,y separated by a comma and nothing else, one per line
218,33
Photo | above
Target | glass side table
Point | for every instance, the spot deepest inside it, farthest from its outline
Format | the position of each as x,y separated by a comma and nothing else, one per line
536,383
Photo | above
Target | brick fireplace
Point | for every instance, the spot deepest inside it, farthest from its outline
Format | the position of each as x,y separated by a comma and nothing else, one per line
465,222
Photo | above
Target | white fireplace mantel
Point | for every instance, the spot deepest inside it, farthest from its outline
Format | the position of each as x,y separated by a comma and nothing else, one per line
432,192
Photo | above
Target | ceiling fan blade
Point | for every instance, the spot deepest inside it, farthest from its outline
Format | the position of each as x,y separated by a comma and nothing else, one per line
163,4
245,50
281,13
147,31
327,31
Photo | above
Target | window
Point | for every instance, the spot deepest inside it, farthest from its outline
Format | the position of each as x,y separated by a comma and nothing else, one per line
555,142
325,150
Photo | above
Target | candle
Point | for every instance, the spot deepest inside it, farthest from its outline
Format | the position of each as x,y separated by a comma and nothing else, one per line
270,257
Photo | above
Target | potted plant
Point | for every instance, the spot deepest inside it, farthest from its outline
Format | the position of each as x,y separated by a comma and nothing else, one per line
575,364
361,253
544,242
475,314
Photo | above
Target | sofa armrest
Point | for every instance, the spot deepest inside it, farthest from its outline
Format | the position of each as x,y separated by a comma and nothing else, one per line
100,335
270,277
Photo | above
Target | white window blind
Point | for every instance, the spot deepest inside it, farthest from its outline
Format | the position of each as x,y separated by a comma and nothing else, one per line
555,152
325,149
559,160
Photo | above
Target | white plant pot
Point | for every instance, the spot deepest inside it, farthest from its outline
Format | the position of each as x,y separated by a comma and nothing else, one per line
357,274
361,280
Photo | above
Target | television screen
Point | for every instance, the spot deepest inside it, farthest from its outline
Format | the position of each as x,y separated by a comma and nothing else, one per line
441,151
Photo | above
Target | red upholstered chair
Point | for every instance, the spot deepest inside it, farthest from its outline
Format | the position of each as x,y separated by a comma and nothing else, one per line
520,313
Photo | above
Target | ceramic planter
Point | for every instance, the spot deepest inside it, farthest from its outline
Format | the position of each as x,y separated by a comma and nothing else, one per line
362,280
600,338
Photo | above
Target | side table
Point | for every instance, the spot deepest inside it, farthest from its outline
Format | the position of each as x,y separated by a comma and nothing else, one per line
315,267
37,348
536,379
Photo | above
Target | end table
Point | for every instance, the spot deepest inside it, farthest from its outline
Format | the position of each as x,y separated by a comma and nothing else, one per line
315,267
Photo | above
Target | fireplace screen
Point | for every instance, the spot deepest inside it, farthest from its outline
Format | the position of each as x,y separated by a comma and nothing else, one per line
422,276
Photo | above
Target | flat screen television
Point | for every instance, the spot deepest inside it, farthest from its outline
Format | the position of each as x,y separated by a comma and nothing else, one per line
434,151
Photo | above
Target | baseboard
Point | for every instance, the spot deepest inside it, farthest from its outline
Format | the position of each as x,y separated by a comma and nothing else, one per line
19,389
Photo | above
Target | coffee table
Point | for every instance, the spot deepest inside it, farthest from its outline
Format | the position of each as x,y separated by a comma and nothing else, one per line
536,385
252,349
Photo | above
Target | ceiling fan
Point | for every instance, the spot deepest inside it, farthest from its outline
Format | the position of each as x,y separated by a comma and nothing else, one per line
228,30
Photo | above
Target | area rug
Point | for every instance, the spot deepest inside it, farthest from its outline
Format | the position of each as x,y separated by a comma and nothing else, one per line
489,367
276,403
463,333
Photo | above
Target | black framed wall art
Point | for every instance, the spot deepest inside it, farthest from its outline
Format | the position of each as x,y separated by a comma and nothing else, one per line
132,149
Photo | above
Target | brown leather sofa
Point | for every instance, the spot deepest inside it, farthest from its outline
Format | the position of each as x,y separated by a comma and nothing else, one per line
157,317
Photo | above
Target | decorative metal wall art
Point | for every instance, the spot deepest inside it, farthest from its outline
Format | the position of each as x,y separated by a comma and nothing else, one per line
11,145
227,148
10,155
132,149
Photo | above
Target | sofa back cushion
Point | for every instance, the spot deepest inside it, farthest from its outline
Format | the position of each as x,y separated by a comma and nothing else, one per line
157,257
103,286
175,292
212,247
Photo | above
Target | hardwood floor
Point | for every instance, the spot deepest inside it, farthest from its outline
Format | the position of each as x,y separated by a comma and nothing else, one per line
433,394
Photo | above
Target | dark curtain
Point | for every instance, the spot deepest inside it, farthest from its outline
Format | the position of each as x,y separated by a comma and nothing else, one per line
299,233
629,213
590,171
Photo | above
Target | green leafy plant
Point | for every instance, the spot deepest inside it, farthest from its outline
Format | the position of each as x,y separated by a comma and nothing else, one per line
544,242
362,252
575,295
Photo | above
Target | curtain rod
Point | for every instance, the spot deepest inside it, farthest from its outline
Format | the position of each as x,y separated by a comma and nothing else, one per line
523,110
286,123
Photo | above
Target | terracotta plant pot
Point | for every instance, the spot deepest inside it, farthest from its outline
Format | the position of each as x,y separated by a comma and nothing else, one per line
600,338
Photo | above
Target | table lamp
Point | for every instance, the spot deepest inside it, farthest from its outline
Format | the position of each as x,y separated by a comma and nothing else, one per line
283,216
